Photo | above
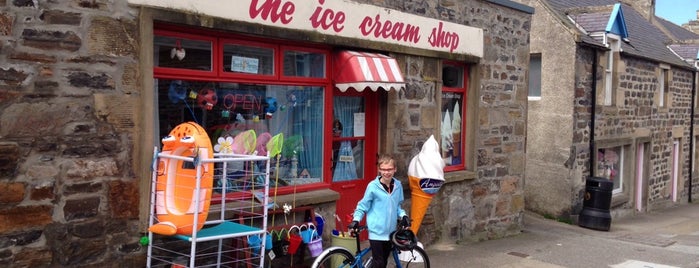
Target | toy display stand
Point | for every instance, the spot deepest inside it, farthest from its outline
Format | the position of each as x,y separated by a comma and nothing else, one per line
234,233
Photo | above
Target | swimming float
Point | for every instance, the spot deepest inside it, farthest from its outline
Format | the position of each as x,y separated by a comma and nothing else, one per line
175,192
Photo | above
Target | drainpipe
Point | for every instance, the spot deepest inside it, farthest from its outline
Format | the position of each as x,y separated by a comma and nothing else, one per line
593,104
691,134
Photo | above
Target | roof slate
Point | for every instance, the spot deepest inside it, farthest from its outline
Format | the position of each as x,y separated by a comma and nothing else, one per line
645,39
678,32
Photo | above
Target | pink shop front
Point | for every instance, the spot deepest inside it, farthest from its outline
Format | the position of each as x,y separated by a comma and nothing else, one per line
317,73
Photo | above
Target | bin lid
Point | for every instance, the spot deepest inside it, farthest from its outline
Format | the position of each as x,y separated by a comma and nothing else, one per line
600,182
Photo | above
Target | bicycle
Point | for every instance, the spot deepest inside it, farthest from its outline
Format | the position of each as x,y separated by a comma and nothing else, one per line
335,257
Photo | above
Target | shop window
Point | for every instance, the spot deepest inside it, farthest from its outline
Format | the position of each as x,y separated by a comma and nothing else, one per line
453,123
348,138
535,76
248,58
298,63
185,52
244,91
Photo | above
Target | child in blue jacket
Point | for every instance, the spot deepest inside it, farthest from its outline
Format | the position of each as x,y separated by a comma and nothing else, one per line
382,206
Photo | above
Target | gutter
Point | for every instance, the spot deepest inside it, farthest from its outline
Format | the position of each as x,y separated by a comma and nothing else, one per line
691,134
593,111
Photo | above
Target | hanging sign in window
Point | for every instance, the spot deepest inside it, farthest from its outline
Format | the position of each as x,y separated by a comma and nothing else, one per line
244,65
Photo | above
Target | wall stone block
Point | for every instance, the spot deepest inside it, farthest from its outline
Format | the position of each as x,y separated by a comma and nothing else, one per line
80,252
81,208
107,36
61,17
25,217
23,3
33,257
47,120
42,173
11,192
6,23
121,195
89,169
83,79
78,188
93,146
20,238
9,158
43,192
87,229
51,40
12,76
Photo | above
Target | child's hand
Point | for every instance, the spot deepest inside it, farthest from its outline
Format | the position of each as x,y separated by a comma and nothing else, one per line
405,222
353,225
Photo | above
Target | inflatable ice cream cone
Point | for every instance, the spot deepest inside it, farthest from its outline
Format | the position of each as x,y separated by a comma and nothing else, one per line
426,176
456,131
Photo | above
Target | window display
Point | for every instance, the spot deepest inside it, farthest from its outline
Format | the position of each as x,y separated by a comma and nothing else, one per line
227,109
452,130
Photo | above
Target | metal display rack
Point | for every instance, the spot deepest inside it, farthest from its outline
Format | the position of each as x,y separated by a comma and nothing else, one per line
234,233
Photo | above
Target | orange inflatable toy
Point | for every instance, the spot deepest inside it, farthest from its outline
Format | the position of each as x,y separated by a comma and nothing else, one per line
175,198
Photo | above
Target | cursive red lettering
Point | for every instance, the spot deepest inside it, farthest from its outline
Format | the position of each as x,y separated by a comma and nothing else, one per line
275,10
440,38
327,18
389,30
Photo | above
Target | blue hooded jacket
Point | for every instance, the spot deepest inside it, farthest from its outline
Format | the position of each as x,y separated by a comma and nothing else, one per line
381,208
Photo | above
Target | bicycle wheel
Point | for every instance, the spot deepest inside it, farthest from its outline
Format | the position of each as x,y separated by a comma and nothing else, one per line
416,258
334,258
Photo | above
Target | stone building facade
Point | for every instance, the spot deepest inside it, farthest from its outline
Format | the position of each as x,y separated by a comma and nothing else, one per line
649,130
77,134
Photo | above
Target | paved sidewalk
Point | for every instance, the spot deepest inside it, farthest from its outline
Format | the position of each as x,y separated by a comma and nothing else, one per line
653,240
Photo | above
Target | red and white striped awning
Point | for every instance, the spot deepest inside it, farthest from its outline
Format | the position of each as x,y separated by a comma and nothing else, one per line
361,70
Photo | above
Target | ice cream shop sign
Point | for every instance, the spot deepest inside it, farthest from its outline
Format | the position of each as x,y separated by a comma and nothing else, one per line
340,18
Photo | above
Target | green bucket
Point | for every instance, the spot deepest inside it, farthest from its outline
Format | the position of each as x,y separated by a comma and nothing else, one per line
346,241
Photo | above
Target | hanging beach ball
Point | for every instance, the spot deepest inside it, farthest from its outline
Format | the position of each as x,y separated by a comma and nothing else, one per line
207,98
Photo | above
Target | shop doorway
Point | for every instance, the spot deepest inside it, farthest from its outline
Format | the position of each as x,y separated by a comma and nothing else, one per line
354,146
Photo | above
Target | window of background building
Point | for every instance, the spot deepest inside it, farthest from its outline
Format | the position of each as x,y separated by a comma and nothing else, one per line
535,76
664,85
453,124
229,86
610,165
614,48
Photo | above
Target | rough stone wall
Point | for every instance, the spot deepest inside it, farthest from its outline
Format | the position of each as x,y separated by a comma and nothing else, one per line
68,195
582,104
551,170
491,205
640,110
69,98
637,116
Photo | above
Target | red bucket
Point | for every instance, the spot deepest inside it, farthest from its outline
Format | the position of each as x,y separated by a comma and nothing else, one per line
295,241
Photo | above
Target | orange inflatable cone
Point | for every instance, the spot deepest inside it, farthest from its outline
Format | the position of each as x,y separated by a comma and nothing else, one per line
426,176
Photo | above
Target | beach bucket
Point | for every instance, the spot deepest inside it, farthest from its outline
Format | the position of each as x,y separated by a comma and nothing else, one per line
268,241
316,246
254,241
308,233
280,243
320,222
295,240
343,240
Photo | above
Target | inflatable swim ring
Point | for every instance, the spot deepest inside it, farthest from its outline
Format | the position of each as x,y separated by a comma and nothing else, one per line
175,192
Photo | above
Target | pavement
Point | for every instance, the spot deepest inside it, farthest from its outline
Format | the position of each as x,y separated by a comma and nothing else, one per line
662,239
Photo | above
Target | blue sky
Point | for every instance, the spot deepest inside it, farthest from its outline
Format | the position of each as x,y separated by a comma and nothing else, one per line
677,11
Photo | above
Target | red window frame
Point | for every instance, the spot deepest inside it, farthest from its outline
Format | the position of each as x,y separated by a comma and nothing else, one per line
463,90
217,74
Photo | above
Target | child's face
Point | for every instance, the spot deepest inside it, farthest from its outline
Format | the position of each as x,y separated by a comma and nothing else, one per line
387,170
